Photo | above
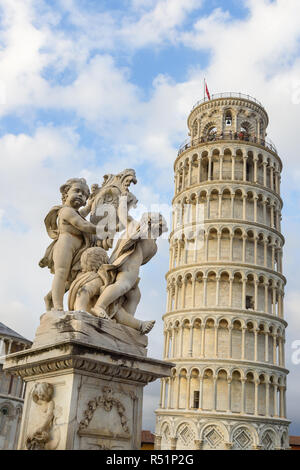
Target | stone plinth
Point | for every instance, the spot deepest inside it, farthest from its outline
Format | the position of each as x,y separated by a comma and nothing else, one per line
85,379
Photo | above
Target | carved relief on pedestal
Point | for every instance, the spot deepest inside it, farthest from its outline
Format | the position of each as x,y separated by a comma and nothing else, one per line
43,435
109,430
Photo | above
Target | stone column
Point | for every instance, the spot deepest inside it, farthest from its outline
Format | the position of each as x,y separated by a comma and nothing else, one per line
220,207
216,340
219,246
256,330
178,391
275,400
231,247
191,341
256,282
188,392
244,294
163,401
169,393
201,394
166,349
221,167
267,397
173,443
232,206
205,291
244,248
274,300
272,216
265,173
283,352
183,177
245,168
272,178
198,444
157,442
256,382
229,380
161,394
244,329
280,352
183,294
2,348
209,168
265,253
266,346
230,291
274,349
202,340
181,341
217,290
193,291
199,169
208,206
215,378
273,256
244,206
281,391
243,380
233,167
10,343
266,297
255,208
264,211
255,168
190,172
176,296
255,249
173,343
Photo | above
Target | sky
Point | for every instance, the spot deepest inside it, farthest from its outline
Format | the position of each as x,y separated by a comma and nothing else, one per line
89,87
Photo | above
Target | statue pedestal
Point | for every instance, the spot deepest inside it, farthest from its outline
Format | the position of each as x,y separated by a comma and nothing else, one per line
85,378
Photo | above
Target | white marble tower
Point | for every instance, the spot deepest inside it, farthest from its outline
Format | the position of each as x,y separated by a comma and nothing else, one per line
224,325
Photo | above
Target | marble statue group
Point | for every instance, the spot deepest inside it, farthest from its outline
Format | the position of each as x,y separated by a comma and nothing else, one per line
103,285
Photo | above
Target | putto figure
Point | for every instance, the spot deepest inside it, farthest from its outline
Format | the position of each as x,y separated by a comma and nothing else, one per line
131,252
72,234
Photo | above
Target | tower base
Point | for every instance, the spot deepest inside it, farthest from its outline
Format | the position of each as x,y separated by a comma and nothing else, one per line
85,378
179,430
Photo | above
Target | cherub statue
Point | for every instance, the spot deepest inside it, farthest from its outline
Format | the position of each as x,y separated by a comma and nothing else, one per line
131,252
72,234
87,287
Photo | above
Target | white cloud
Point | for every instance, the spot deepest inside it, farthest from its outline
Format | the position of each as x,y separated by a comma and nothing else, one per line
158,24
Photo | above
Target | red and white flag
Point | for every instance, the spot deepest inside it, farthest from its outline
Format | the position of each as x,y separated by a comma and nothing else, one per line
206,90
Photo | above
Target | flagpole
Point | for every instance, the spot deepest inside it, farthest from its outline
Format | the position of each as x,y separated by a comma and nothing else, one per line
204,89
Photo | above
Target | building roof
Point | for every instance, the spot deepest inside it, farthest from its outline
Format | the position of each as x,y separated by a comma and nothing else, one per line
6,331
147,437
295,440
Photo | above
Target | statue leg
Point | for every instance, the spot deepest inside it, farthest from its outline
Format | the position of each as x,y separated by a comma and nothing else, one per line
48,301
133,298
124,283
62,270
85,294
124,318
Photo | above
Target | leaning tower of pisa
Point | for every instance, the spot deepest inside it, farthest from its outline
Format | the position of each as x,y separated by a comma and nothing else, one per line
224,326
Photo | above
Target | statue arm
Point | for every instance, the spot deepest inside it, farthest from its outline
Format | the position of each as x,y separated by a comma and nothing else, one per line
77,221
84,211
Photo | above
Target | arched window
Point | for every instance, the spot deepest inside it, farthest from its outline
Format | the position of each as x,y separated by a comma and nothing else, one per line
228,118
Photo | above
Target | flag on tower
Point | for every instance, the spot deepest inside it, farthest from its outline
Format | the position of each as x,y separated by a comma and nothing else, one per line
206,90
